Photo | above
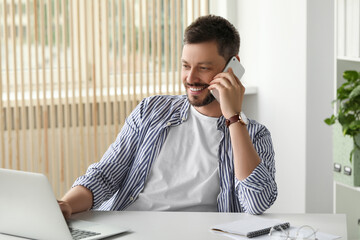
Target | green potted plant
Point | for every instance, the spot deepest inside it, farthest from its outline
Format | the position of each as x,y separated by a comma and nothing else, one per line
347,122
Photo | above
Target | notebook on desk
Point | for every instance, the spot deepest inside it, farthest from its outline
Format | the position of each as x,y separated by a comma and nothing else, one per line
251,226
28,208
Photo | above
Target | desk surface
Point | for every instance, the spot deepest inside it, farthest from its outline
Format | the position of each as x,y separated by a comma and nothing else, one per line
195,225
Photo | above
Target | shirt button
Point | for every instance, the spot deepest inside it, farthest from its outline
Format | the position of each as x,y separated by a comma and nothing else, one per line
168,123
131,198
183,118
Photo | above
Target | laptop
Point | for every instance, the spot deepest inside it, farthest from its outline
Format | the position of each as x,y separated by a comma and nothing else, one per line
29,209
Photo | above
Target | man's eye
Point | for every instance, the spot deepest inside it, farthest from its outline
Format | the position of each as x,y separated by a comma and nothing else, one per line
186,66
204,68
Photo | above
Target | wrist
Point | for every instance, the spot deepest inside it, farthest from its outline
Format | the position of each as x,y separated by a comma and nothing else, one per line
238,117
228,113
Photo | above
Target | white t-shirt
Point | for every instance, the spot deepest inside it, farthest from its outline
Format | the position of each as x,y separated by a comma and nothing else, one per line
185,175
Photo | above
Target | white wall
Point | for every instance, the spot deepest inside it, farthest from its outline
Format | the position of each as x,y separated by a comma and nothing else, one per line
319,94
287,50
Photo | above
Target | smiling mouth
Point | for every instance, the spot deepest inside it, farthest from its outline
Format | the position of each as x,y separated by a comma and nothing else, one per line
197,88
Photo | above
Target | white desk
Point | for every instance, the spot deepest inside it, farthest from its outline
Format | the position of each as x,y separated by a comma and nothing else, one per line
194,225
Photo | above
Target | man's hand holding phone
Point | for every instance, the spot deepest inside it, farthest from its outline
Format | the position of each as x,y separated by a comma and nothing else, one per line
227,88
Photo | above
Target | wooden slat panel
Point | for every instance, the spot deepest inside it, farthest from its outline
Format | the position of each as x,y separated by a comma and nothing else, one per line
159,49
166,44
67,137
2,120
37,89
23,140
88,160
206,7
75,166
108,101
43,84
54,169
16,113
153,46
115,106
56,123
121,72
173,45
179,45
127,43
192,10
80,88
60,148
31,112
185,17
94,103
8,109
147,46
199,8
140,55
133,55
101,77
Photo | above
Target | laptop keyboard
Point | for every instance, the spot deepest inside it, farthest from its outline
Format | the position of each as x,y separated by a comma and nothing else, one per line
80,234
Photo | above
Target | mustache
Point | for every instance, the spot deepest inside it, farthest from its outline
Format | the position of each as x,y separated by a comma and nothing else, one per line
197,85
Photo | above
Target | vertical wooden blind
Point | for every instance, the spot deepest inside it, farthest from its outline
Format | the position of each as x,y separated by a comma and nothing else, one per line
71,71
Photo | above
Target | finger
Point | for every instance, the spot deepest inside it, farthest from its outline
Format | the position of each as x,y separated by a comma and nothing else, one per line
223,82
216,85
67,215
65,209
230,76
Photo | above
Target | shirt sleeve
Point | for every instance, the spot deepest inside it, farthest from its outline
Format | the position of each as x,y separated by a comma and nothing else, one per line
258,191
105,177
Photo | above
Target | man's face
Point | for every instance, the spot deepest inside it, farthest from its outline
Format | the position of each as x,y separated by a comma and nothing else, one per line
200,63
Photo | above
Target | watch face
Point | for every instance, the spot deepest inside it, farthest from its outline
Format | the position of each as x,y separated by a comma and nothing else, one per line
244,118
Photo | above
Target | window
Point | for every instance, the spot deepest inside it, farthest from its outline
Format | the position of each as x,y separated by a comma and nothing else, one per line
71,71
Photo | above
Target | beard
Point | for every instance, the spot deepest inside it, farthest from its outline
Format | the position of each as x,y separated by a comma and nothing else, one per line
197,101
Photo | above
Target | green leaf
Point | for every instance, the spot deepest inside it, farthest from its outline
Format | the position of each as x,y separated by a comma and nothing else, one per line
351,154
348,118
343,118
343,93
331,120
355,92
355,125
345,129
348,103
351,75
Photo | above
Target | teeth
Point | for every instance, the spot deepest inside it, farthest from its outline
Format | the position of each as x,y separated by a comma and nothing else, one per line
196,89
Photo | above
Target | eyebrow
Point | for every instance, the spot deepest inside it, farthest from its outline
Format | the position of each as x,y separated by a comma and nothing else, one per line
199,63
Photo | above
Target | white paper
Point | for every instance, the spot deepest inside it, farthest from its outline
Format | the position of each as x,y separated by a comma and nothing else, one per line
292,231
248,224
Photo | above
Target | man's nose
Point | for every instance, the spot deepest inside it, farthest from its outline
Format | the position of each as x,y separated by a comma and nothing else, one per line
192,76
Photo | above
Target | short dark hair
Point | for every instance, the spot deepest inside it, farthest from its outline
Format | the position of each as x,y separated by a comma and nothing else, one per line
214,28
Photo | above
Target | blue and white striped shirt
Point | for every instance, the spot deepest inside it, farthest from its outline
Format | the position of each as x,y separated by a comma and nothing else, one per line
120,176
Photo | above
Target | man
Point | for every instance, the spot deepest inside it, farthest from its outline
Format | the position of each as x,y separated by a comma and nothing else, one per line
176,153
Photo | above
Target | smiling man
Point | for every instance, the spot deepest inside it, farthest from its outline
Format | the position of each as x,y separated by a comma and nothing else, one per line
187,153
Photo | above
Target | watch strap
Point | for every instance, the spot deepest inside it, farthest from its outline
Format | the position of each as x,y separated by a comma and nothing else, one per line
234,119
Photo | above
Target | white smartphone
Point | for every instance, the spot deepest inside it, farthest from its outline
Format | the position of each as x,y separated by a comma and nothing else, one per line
238,69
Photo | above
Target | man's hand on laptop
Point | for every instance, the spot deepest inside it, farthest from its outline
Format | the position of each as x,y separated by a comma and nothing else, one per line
77,199
65,209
